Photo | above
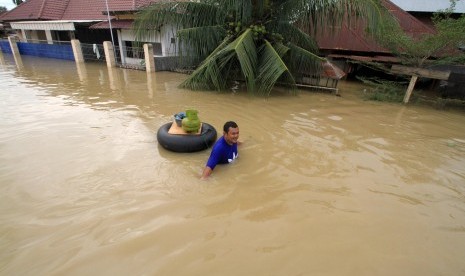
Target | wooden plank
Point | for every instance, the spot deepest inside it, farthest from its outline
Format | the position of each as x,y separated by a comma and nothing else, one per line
175,129
420,72
411,85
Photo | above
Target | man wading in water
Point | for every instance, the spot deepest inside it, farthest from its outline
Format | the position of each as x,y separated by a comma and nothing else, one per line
225,149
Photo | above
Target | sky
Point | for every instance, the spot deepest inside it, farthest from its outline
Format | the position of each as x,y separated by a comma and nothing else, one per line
422,5
7,3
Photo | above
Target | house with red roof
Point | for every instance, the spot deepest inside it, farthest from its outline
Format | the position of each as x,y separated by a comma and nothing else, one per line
89,21
350,42
95,21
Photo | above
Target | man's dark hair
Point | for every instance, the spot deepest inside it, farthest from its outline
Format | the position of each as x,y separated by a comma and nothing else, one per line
229,124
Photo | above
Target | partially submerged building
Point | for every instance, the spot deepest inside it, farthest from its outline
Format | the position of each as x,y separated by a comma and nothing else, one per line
351,43
90,21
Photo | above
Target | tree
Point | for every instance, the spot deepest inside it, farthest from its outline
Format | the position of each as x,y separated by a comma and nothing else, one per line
259,41
17,2
439,47
3,9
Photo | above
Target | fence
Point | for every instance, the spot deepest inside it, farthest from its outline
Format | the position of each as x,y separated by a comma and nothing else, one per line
5,46
93,52
126,57
59,51
133,57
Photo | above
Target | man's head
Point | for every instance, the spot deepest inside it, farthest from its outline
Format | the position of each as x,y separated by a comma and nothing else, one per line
230,132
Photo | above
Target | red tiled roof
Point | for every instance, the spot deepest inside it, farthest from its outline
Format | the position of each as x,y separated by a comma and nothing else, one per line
70,9
115,24
29,10
88,9
53,9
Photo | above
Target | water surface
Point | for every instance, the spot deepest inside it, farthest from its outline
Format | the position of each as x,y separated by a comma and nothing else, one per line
324,185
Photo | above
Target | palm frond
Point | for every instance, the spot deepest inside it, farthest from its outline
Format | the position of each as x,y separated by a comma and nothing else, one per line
196,14
199,42
212,74
313,15
246,53
302,62
179,15
371,11
209,76
211,71
294,10
281,49
271,69
260,7
292,34
235,10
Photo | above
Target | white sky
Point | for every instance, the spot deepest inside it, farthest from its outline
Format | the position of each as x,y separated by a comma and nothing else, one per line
428,5
8,4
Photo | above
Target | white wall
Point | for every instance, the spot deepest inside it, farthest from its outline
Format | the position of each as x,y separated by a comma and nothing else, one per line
428,5
163,37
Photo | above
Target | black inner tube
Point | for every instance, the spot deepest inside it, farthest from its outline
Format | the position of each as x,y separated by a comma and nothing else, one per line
186,143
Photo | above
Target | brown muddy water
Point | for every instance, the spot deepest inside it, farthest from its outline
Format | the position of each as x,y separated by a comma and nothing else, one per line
324,185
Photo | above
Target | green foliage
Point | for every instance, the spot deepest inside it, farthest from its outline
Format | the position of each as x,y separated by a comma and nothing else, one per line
17,2
439,47
384,90
263,42
3,9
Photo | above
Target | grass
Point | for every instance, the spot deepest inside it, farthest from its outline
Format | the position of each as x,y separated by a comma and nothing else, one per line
384,90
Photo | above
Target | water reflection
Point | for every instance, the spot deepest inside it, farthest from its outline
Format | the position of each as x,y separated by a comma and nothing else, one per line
324,185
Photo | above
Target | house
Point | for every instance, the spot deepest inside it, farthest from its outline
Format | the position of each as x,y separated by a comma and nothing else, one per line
350,43
349,47
90,21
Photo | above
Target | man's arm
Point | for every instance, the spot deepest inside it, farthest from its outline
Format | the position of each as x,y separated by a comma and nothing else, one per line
206,172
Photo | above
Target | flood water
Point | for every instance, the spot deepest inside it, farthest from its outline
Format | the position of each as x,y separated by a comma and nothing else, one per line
323,185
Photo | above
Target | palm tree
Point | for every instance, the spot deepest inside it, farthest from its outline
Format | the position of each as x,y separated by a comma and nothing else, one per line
263,42
17,2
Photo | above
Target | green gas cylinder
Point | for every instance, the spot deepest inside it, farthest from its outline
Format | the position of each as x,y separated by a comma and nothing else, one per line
191,123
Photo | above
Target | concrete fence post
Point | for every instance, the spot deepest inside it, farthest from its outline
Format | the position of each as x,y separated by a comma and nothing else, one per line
77,51
15,51
149,60
14,47
109,54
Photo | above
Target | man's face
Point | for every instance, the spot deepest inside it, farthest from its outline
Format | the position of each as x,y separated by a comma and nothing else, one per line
232,135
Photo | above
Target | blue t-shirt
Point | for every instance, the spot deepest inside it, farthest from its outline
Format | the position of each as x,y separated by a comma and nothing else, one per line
222,153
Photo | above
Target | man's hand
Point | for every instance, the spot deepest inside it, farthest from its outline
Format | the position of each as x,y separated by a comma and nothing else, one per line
206,173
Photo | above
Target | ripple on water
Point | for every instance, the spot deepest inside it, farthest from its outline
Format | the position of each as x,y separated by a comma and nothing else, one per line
84,182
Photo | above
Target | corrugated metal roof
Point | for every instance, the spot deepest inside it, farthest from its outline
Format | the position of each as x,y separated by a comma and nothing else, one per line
409,23
388,59
353,38
331,71
348,38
